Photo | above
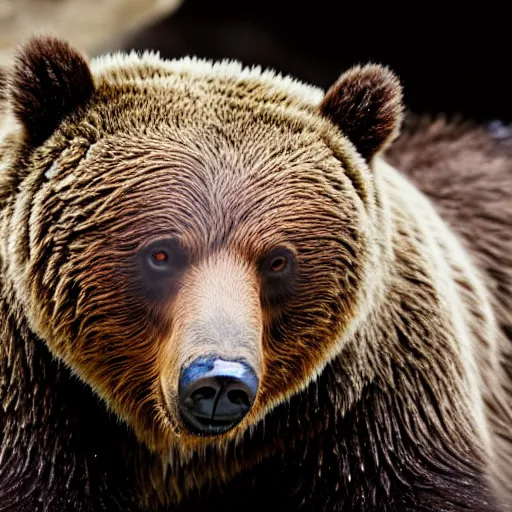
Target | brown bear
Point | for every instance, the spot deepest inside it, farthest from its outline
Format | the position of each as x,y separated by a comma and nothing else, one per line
218,294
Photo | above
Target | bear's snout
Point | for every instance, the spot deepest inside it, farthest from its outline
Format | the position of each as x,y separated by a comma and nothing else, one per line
215,394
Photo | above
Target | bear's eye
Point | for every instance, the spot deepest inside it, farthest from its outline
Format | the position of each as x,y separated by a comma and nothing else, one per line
278,261
278,264
160,257
163,256
278,272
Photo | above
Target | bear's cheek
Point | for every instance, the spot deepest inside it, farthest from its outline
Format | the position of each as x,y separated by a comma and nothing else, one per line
289,370
298,345
117,354
110,336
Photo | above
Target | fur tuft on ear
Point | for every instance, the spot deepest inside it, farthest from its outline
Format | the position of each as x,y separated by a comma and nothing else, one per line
49,81
366,105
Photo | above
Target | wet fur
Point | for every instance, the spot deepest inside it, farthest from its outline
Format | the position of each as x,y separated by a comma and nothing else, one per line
407,410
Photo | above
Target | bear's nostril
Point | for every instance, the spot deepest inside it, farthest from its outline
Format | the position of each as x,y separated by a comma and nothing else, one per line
205,393
215,394
239,397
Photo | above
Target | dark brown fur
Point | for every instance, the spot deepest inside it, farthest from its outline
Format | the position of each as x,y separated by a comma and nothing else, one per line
231,166
366,104
50,80
467,173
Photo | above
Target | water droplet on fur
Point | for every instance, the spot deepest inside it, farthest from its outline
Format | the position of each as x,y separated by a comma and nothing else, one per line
51,172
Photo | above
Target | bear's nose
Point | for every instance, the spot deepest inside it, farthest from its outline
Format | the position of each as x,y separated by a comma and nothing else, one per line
216,394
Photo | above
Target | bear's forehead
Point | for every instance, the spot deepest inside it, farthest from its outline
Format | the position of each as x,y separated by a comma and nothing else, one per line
201,148
219,118
203,185
217,176
144,92
146,187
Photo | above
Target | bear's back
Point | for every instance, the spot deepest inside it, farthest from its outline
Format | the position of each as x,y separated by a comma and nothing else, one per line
466,172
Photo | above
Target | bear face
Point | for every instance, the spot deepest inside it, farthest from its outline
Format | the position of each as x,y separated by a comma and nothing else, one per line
173,215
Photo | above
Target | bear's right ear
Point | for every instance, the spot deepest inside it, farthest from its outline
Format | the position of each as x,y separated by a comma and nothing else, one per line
366,105
49,81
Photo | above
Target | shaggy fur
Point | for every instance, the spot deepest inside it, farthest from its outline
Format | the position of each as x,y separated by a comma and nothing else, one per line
50,80
365,94
384,360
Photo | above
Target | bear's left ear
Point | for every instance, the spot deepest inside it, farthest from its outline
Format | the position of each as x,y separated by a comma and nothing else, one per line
49,81
366,105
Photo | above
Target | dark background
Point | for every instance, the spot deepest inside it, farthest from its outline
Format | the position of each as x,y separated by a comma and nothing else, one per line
451,60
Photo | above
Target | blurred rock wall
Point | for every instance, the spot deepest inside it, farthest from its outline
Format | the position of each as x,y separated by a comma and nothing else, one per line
90,25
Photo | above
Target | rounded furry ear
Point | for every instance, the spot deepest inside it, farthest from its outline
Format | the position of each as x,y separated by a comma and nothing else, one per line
48,82
366,105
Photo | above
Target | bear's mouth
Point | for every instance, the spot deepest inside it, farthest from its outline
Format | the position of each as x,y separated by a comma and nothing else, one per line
203,425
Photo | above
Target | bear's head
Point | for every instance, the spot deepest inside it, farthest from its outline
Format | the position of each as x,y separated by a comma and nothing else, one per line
195,241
